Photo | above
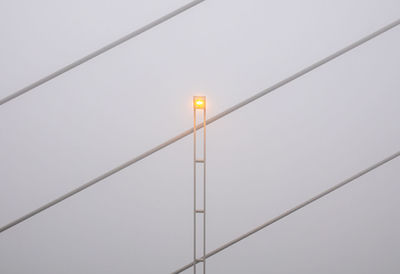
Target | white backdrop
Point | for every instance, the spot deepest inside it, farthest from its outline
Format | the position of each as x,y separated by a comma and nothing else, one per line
262,159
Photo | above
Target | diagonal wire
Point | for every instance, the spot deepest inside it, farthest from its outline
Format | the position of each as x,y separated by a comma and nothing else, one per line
209,121
294,209
100,51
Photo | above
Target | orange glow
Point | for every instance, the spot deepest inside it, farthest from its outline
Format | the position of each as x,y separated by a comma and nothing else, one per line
199,102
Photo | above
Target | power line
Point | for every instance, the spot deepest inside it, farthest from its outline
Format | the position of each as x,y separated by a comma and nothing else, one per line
209,121
294,209
100,51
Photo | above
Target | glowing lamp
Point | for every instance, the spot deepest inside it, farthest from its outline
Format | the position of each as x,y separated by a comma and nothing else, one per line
199,102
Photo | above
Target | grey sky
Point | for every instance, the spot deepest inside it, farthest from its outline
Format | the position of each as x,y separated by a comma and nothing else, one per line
262,159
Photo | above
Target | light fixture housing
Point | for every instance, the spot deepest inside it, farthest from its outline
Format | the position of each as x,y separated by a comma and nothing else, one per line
199,102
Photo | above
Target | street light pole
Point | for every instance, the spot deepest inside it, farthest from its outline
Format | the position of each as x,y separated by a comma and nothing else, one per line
199,104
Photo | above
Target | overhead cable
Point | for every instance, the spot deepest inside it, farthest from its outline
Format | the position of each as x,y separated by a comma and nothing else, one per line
294,209
209,121
100,51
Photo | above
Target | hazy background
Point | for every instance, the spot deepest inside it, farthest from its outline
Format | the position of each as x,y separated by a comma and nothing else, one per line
262,159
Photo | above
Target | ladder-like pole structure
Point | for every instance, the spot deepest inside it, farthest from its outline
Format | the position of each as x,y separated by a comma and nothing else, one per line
199,160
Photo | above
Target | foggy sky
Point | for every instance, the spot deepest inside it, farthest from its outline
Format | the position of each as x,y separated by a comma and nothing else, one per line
262,159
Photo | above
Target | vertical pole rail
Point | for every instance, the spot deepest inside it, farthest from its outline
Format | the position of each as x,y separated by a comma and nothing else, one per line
194,188
204,190
199,103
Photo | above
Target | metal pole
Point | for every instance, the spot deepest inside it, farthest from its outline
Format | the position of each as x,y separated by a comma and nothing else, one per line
204,190
199,104
194,190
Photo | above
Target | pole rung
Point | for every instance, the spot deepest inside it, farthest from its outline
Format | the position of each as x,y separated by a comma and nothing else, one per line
199,211
200,260
199,161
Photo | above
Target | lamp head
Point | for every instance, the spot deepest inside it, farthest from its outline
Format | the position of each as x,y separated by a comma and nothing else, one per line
199,102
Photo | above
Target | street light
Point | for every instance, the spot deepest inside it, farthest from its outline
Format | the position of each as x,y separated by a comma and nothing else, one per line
199,104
